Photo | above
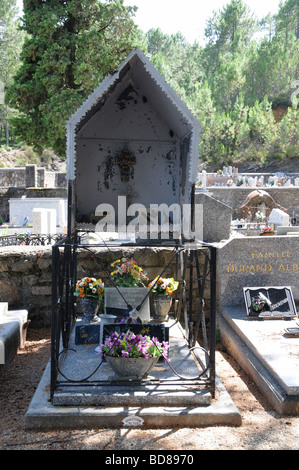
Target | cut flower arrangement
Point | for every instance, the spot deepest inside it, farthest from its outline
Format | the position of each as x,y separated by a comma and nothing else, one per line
127,273
90,287
130,345
163,286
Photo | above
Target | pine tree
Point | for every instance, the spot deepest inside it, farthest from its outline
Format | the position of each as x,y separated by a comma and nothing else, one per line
71,46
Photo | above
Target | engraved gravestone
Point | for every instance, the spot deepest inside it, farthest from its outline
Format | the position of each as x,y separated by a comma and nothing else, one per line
118,302
257,261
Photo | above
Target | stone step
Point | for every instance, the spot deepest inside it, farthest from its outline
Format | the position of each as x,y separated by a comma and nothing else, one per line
13,327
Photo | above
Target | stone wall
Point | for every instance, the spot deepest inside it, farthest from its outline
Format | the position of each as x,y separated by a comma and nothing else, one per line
235,197
12,177
31,176
26,275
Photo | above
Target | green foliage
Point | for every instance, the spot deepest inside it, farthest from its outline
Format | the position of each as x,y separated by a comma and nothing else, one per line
231,84
28,156
71,46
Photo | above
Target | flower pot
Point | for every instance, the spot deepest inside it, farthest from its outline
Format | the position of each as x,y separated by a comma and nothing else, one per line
161,306
90,308
105,319
131,368
267,234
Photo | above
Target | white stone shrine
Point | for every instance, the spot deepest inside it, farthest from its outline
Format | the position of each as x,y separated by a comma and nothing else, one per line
133,137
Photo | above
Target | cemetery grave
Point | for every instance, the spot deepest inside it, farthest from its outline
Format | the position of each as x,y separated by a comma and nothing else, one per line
136,144
264,342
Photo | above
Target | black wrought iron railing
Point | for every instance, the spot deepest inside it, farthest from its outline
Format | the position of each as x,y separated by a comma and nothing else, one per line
29,239
194,277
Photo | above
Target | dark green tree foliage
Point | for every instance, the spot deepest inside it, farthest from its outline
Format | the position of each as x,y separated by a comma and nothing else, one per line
233,83
71,46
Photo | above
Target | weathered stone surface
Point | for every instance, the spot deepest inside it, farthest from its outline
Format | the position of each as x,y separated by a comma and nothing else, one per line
216,218
9,292
29,284
44,263
41,290
29,280
22,266
3,267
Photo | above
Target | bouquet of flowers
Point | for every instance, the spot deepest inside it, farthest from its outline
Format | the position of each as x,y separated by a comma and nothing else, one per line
133,345
128,274
257,303
163,286
267,230
90,287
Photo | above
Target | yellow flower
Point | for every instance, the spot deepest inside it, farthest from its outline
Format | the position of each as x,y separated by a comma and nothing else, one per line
115,262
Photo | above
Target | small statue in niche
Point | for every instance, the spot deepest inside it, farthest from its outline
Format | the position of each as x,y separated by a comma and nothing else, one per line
126,160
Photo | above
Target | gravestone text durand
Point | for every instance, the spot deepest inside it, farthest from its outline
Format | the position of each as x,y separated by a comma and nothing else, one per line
257,261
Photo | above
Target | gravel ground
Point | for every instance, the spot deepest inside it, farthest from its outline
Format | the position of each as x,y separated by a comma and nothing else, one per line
262,428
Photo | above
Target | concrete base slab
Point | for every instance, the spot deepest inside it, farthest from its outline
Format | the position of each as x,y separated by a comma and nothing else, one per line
167,403
42,414
268,356
162,388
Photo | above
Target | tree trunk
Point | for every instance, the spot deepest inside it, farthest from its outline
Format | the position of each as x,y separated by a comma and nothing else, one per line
7,126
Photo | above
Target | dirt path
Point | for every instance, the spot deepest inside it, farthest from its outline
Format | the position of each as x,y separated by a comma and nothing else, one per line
262,428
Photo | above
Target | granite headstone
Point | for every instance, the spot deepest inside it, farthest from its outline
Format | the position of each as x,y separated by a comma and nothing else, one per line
257,261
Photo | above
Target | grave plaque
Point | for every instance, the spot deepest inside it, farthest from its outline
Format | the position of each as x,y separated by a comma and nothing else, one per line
117,301
88,334
91,334
270,302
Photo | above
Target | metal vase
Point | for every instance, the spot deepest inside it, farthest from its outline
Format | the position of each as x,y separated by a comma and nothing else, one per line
131,368
90,308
